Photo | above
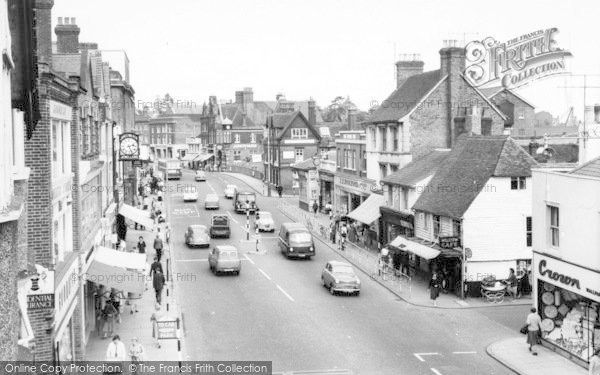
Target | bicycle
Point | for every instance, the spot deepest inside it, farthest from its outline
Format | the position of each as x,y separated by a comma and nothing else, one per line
309,225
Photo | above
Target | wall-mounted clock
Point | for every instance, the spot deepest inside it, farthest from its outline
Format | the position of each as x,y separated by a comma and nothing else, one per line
129,146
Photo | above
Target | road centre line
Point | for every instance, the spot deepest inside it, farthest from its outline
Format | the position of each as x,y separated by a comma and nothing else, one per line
265,274
418,355
436,372
284,292
250,260
231,216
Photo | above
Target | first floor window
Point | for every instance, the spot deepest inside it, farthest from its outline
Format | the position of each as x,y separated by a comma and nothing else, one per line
299,154
554,225
528,230
237,138
436,225
456,228
299,133
517,183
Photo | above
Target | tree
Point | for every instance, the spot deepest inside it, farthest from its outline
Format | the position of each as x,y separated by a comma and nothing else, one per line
337,111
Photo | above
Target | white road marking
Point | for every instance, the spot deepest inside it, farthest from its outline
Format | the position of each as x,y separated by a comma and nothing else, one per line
211,188
284,292
436,372
231,216
265,274
464,352
418,355
250,260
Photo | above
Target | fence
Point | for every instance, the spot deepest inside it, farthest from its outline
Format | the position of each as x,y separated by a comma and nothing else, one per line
245,170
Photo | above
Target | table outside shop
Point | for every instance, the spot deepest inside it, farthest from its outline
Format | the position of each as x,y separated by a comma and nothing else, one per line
494,293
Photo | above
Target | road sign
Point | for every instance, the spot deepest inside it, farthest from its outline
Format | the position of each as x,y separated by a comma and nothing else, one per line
167,329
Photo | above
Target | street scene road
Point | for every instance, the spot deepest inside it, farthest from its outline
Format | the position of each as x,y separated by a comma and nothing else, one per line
276,308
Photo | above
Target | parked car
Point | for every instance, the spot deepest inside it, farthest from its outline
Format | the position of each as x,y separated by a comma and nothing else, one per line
230,191
295,240
211,202
339,277
224,258
197,235
190,194
264,221
200,176
219,226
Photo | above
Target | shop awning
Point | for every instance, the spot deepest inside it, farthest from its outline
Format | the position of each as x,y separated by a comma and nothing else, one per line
416,248
189,157
139,216
118,269
368,211
204,157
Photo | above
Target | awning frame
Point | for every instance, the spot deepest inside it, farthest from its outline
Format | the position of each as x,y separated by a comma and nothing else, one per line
418,249
139,216
368,210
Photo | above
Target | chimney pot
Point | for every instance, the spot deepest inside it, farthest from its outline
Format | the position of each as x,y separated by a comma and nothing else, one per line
60,21
73,22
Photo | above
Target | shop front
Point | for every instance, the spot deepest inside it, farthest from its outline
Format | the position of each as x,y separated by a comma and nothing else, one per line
325,188
568,301
351,192
66,291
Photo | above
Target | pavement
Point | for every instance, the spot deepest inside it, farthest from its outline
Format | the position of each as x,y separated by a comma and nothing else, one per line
139,323
510,350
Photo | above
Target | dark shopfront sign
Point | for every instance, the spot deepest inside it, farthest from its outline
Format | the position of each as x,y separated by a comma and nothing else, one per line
449,242
40,301
389,215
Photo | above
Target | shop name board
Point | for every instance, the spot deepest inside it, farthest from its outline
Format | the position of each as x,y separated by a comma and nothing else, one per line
360,185
40,301
60,111
167,329
556,276
516,62
449,242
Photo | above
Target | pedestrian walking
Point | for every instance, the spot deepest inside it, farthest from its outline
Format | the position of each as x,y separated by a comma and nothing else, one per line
141,245
434,288
136,351
158,245
122,245
158,282
115,299
109,313
533,329
155,266
315,207
279,190
511,284
594,368
167,232
115,352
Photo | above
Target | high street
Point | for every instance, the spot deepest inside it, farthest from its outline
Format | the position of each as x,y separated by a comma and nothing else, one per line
277,309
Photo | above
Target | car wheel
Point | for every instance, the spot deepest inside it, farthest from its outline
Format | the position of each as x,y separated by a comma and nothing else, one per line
357,294
331,290
237,272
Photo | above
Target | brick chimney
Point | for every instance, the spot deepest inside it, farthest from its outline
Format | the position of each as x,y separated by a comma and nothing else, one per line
43,20
352,118
239,97
452,64
248,95
408,66
67,35
312,112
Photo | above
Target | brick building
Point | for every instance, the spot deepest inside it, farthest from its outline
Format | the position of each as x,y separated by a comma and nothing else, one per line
427,111
520,114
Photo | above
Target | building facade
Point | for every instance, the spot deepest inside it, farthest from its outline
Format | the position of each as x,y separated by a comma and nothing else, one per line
520,114
566,261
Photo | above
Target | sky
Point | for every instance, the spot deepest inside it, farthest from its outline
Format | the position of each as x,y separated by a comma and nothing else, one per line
323,48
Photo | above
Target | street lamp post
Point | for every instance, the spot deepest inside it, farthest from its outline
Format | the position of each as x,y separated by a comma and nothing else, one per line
115,129
269,157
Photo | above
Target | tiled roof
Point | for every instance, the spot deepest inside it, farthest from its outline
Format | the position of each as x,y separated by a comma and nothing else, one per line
406,98
491,92
591,168
282,120
466,170
417,170
256,115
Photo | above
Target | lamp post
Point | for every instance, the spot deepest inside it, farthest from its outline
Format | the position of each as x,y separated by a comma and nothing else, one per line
115,132
269,120
316,160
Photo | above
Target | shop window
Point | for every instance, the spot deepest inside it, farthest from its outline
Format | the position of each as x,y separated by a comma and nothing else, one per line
554,225
517,183
528,229
436,225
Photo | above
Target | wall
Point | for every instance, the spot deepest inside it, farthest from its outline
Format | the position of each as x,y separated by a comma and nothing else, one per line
495,230
578,198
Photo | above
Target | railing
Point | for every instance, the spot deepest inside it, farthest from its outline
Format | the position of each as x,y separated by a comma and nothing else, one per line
245,170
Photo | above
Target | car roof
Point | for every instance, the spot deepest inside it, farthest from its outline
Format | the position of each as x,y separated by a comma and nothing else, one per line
339,263
212,195
230,186
197,226
294,226
264,213
226,248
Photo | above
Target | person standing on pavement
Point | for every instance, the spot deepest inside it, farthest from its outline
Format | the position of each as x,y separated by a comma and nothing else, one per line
109,314
315,208
279,190
594,368
158,244
533,329
115,352
158,282
511,284
136,351
434,288
141,245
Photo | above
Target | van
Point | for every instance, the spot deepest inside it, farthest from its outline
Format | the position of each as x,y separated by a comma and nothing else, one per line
225,258
295,240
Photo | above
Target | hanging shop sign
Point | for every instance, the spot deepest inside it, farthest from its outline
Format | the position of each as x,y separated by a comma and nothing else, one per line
449,242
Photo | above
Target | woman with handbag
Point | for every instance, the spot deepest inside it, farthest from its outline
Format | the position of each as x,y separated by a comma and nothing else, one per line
533,329
434,288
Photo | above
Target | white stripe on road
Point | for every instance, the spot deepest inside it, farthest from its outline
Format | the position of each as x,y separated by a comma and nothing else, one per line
418,355
284,292
231,216
464,352
265,274
211,188
436,372
248,259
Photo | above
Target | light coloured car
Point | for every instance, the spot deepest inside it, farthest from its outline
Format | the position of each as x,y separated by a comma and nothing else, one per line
190,194
224,258
264,221
197,235
230,191
200,176
211,202
339,277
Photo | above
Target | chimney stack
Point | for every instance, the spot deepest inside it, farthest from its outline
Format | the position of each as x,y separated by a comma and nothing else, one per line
352,118
248,95
43,21
452,64
408,66
239,97
452,58
67,36
312,112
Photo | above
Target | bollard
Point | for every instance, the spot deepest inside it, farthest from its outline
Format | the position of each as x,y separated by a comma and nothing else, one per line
179,354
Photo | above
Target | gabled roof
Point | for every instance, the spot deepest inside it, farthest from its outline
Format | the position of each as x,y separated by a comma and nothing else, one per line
417,170
256,114
466,170
405,98
283,121
491,92
591,168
